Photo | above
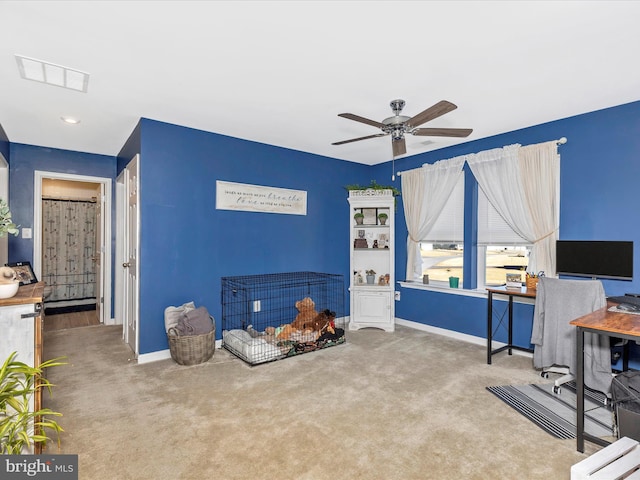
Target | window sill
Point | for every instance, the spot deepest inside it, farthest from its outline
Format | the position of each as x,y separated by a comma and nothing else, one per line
478,293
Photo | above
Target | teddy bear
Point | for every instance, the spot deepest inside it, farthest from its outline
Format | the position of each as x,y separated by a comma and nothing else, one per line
306,315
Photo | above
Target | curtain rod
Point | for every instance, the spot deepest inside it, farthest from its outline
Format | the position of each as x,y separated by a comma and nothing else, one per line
560,141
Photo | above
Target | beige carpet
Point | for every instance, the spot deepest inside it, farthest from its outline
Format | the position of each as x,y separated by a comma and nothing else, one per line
403,405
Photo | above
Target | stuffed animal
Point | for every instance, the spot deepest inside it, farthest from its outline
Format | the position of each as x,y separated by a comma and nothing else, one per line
306,315
283,332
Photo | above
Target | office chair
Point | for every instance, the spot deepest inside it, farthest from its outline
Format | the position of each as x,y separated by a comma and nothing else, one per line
559,301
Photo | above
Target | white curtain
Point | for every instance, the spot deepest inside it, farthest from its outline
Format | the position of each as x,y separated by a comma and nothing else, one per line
425,191
522,185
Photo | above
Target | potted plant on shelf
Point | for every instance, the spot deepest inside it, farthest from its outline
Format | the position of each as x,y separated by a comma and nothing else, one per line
20,426
371,277
375,186
359,216
383,218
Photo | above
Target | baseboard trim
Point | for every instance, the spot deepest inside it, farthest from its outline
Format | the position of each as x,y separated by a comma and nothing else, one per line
456,335
162,355
165,354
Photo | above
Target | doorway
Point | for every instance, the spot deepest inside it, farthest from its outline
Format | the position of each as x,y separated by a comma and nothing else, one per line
79,279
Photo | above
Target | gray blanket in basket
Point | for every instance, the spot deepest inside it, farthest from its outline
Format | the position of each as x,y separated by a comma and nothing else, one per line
195,322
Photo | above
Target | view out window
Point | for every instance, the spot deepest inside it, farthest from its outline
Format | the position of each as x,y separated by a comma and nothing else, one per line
442,251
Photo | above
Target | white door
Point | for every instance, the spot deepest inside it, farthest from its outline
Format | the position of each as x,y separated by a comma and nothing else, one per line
132,244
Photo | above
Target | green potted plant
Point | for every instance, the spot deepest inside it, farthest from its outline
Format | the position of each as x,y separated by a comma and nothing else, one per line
6,224
359,216
371,276
375,186
20,426
383,218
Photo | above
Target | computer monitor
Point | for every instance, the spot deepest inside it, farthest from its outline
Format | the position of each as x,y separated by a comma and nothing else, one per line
595,259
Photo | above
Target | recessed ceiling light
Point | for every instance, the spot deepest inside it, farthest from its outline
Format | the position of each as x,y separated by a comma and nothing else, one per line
52,74
70,120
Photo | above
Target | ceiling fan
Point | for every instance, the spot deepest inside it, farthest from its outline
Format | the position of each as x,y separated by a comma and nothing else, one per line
398,125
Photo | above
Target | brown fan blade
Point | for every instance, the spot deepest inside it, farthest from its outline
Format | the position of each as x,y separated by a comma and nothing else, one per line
360,138
360,119
430,113
442,132
399,147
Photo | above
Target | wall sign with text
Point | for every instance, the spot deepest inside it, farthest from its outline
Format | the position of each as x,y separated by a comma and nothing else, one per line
258,198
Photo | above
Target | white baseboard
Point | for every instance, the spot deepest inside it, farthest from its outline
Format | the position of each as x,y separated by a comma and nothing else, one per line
456,335
162,355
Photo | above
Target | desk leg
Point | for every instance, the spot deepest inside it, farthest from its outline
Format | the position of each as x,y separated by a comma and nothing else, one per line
510,334
489,326
580,389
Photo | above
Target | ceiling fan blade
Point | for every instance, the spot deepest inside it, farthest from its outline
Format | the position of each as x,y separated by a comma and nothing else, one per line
399,147
360,138
360,119
442,132
432,112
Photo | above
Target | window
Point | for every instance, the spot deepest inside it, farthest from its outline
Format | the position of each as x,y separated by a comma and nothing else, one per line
500,249
522,181
442,251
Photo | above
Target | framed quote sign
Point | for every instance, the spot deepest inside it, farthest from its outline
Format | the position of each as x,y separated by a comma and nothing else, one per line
258,198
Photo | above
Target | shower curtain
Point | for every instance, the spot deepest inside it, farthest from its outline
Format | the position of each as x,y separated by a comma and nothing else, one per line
68,249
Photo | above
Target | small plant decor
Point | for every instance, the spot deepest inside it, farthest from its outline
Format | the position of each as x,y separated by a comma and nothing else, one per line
376,186
383,215
370,272
6,224
358,215
19,426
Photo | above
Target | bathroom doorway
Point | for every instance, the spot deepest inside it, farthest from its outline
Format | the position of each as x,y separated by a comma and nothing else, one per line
72,244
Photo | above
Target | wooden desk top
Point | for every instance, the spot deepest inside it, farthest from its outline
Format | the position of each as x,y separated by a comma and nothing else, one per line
516,292
32,293
615,322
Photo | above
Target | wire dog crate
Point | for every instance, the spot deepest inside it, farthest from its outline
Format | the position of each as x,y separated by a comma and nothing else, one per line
273,316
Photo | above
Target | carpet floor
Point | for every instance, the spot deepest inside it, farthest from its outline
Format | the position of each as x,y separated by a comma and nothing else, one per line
409,404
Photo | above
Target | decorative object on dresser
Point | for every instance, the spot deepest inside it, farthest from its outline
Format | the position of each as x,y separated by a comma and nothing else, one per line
372,303
9,284
24,272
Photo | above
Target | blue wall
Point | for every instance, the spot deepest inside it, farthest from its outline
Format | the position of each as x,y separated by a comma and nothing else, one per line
600,170
24,161
187,245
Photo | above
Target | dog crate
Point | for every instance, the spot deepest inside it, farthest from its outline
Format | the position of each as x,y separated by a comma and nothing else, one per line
273,316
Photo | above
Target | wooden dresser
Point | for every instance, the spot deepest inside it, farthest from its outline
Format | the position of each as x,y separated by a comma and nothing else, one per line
21,329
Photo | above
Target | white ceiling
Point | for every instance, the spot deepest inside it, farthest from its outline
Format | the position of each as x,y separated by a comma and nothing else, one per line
280,72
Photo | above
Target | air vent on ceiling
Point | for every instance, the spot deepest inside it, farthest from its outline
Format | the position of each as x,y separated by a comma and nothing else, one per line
52,74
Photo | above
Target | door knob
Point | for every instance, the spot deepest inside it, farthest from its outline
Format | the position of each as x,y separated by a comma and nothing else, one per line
126,265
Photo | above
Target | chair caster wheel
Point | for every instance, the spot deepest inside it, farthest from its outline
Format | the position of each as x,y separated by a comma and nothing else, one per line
544,374
556,390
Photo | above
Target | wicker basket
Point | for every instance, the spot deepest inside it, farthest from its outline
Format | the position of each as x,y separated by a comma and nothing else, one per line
191,349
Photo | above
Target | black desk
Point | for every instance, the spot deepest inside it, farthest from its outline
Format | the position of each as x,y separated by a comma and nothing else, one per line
511,292
603,322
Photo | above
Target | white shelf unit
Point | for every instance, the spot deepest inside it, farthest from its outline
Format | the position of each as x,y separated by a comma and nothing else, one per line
372,248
